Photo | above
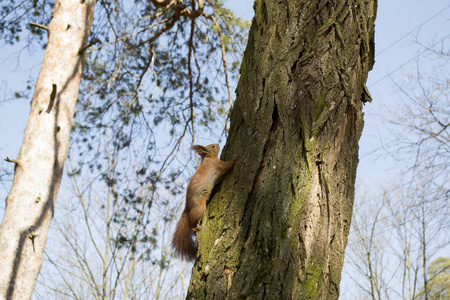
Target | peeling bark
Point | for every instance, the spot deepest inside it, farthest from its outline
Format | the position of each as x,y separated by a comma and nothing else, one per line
278,225
38,171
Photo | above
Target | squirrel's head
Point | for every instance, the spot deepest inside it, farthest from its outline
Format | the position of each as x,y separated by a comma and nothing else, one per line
207,151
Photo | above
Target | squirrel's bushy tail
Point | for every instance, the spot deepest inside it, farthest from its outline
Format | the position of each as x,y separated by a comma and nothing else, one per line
183,239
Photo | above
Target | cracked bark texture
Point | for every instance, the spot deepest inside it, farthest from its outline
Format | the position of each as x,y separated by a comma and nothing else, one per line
277,226
30,202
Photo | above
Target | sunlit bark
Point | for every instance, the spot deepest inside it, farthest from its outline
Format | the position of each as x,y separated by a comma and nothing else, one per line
39,164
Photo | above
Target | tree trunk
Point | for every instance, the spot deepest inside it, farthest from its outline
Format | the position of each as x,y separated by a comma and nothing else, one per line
277,227
38,170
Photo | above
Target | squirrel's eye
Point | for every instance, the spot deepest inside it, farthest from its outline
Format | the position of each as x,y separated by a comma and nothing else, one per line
213,146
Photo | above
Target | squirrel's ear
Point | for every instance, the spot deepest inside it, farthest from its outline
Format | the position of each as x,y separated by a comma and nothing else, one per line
199,149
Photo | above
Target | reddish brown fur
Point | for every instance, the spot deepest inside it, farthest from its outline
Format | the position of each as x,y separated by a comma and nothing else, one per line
198,191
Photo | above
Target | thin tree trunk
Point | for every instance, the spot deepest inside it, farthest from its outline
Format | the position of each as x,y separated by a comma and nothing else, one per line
371,276
277,227
38,171
424,250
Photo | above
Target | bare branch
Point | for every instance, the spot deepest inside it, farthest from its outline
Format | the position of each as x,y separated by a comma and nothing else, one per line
39,26
224,60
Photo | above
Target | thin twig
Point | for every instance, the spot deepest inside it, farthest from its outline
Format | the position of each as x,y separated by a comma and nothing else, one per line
141,79
191,84
126,37
224,60
84,48
11,160
39,26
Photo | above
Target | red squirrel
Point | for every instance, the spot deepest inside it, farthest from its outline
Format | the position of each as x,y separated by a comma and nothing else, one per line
198,191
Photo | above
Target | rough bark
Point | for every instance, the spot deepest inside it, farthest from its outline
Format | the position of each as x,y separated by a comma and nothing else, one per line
30,202
277,226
